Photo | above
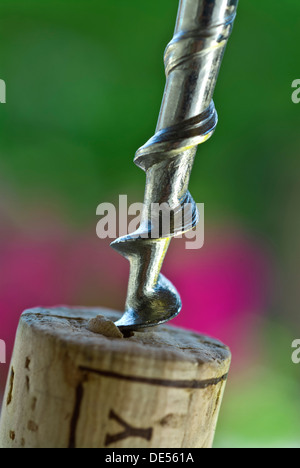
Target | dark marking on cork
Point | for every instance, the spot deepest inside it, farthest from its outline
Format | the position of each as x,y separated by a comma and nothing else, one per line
12,435
11,387
185,384
166,420
23,443
33,404
172,420
32,426
76,413
27,383
27,363
128,431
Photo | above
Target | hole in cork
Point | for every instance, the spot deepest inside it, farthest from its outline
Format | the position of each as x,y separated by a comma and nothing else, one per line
27,383
27,363
11,387
33,403
127,334
32,426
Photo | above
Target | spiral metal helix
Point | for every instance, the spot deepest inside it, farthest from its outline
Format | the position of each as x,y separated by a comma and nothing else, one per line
187,118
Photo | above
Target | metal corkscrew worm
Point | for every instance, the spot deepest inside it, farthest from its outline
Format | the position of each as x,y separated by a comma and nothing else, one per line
187,119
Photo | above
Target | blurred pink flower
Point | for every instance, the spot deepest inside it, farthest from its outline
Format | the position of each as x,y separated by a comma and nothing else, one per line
222,285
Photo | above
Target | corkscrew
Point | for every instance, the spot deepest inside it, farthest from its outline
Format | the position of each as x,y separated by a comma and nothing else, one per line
187,118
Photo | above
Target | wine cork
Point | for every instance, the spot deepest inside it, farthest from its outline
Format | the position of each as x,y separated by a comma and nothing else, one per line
76,382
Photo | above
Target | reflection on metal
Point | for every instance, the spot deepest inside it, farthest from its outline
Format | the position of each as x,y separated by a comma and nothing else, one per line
187,119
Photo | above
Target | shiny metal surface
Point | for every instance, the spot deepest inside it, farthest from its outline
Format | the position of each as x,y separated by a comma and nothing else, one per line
187,119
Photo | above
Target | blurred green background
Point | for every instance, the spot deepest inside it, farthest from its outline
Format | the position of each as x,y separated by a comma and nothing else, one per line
84,86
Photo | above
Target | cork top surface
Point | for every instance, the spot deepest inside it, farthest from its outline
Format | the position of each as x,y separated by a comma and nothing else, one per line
72,325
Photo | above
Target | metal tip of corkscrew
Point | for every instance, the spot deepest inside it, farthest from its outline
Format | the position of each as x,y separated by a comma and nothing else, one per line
151,301
162,305
187,119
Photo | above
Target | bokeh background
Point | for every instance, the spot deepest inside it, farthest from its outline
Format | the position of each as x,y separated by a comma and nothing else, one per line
84,85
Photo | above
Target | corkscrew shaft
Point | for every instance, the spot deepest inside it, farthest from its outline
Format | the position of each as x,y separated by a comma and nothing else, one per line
187,119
